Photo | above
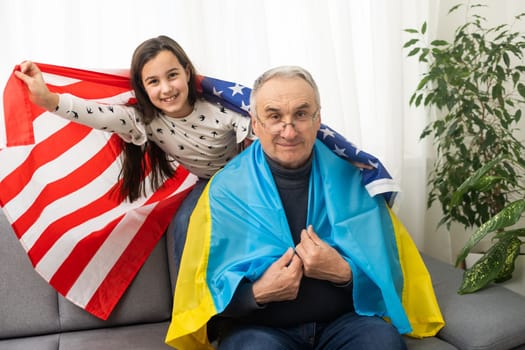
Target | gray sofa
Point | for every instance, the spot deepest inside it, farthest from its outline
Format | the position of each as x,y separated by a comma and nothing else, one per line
34,317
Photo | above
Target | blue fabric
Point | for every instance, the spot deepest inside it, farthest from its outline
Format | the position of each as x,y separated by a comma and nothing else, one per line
249,230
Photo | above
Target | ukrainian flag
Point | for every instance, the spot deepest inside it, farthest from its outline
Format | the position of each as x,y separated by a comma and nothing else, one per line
239,228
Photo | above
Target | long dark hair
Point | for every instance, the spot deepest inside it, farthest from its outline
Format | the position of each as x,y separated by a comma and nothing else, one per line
137,159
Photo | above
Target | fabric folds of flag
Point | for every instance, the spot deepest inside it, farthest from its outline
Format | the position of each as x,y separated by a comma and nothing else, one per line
57,181
390,279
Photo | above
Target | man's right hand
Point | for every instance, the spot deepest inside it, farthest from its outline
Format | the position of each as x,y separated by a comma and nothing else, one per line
281,281
39,94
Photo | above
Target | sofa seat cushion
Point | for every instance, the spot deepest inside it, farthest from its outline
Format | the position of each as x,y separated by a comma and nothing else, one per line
431,343
145,336
469,319
44,342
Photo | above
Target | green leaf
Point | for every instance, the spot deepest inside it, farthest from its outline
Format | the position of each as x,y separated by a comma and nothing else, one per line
411,31
413,51
489,267
506,217
517,115
424,28
439,43
472,181
521,90
497,91
511,253
418,100
486,183
452,9
519,232
410,43
506,59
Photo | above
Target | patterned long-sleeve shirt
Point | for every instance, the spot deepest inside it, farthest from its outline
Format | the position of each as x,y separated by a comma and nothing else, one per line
203,141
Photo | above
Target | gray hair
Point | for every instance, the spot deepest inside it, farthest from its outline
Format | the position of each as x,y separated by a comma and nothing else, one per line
283,72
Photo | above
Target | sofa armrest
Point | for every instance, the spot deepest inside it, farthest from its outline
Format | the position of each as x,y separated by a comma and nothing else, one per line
492,319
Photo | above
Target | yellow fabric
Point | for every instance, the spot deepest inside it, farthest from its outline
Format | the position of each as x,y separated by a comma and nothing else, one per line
187,331
419,300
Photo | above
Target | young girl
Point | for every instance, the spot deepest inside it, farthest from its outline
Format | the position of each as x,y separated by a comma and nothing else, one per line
170,121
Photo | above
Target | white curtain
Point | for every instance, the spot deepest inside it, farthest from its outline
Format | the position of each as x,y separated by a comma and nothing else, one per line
352,47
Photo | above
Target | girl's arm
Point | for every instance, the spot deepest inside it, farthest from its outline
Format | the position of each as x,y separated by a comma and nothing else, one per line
120,119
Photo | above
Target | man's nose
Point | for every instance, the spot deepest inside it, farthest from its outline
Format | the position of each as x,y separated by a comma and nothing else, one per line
288,130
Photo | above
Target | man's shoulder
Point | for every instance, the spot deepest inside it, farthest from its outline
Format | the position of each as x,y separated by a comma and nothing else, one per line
238,167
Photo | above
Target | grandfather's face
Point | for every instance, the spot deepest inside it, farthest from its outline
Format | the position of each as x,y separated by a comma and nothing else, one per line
286,100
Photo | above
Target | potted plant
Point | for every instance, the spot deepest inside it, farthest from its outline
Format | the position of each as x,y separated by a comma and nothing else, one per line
476,84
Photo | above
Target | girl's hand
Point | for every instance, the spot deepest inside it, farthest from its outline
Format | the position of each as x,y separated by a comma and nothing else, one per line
39,94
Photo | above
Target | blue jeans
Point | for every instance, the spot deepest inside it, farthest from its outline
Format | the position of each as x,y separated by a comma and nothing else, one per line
182,218
350,331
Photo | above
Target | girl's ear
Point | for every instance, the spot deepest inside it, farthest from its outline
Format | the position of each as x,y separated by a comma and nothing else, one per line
188,74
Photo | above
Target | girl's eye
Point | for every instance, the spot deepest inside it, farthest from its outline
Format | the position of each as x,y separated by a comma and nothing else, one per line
151,81
172,75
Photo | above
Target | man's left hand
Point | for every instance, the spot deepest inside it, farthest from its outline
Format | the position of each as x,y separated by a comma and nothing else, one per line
321,261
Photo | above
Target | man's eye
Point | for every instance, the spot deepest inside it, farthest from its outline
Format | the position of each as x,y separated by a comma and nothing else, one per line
301,115
274,117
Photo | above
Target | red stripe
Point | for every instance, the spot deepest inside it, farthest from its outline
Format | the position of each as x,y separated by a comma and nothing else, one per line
54,231
88,90
117,280
41,154
86,75
18,114
80,256
70,183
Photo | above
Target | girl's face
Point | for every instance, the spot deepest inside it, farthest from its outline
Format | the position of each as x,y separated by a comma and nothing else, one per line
166,83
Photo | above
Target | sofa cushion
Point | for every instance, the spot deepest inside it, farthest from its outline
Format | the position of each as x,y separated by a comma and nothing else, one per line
44,342
431,343
140,337
469,319
28,304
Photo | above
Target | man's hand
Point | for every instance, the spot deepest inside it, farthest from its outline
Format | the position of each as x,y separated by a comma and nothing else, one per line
281,281
321,261
39,94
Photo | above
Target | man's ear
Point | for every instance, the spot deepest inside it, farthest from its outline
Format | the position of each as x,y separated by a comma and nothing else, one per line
255,124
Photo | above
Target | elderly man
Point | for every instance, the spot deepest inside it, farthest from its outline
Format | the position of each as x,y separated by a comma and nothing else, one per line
286,249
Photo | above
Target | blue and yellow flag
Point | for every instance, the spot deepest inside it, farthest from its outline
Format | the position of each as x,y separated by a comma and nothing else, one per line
239,228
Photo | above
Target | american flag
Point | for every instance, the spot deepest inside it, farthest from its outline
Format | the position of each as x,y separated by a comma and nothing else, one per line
56,189
57,179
